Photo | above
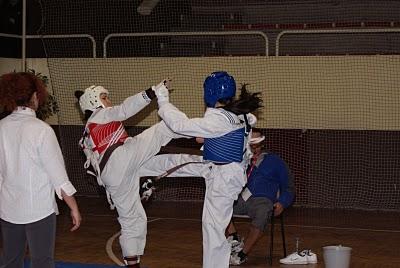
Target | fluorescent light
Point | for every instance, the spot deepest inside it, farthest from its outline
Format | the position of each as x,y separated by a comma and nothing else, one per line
147,6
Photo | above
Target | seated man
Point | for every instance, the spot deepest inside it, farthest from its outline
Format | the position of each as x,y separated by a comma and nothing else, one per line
267,175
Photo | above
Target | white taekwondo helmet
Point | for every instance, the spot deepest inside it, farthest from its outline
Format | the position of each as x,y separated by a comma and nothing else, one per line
90,100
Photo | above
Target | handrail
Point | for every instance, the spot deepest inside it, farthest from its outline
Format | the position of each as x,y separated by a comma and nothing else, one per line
330,31
10,35
56,36
183,34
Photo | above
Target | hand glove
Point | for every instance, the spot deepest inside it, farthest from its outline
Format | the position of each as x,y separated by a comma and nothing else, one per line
161,91
252,119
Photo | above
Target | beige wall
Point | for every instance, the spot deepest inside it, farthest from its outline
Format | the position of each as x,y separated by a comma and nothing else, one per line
9,65
341,92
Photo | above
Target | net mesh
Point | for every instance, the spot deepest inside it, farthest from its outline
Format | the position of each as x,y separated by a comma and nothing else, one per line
328,74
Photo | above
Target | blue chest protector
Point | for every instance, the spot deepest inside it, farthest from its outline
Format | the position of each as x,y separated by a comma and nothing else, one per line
226,149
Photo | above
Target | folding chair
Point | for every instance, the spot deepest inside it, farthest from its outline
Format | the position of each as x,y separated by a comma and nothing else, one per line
271,241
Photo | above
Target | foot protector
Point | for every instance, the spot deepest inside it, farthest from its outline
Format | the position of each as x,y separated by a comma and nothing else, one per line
132,262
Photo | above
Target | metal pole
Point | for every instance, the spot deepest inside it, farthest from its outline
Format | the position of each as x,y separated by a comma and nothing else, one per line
23,55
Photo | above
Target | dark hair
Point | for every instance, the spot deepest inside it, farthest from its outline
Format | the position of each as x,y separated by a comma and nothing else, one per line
78,94
17,88
87,114
247,102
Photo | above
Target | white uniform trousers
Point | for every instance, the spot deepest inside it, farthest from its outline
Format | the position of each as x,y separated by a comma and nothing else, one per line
223,185
122,183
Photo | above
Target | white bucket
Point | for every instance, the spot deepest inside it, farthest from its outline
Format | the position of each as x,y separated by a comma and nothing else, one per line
337,256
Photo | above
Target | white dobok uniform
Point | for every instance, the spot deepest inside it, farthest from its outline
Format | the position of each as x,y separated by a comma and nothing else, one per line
222,166
119,176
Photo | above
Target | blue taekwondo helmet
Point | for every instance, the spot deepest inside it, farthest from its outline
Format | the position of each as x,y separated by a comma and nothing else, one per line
217,86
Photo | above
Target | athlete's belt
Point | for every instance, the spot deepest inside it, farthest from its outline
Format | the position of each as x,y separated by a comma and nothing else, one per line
107,155
220,164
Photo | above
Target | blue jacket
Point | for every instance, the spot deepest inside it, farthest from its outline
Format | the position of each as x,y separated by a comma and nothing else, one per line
270,175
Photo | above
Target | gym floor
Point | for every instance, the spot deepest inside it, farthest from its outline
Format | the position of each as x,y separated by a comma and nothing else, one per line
174,235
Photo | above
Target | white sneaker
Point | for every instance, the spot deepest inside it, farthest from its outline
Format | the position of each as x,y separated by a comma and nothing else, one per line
295,258
311,256
236,245
236,260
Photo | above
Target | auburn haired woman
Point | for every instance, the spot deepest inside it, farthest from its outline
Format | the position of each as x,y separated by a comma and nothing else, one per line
31,171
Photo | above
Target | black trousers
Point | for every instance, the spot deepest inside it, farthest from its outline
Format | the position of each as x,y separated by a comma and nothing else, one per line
40,238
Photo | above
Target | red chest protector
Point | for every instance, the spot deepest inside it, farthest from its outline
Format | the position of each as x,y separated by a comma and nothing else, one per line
105,135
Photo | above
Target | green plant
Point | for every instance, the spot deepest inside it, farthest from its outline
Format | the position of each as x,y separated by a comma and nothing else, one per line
51,106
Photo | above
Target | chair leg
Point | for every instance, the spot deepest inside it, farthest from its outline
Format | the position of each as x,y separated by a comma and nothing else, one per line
271,244
283,236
